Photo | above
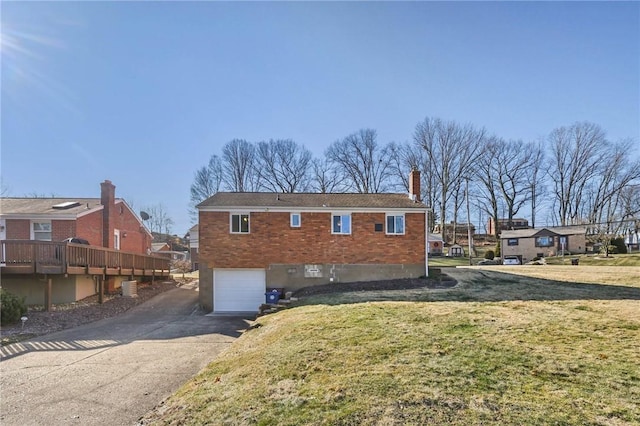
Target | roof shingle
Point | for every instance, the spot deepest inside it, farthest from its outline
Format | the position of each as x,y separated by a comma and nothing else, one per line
309,200
44,206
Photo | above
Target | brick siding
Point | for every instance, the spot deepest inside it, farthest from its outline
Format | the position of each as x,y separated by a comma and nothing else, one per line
136,239
18,229
62,229
89,227
273,241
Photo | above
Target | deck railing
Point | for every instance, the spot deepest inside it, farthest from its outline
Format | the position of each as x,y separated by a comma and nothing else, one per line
24,256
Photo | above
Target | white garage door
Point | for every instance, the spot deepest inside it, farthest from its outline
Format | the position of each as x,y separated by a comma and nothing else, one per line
238,290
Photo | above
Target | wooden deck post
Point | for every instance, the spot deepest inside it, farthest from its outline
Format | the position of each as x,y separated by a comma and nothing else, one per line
100,290
47,293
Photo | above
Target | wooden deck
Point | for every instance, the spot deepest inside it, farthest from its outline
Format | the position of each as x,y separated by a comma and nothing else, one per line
51,258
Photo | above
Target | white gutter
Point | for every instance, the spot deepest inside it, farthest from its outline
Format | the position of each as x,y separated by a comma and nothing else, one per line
426,242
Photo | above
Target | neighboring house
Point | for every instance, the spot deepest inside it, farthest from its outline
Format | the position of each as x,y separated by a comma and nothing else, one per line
160,247
164,250
527,244
33,251
461,230
193,246
255,241
503,224
106,221
632,240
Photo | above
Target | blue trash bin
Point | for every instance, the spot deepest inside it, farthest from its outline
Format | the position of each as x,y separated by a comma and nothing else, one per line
272,296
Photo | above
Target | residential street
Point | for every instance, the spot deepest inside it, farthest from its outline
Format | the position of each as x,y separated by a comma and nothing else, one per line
112,371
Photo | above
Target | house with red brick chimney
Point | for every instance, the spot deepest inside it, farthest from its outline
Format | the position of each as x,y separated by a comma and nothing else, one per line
106,221
250,242
72,244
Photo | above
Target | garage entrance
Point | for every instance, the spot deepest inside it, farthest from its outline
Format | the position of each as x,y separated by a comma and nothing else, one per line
238,290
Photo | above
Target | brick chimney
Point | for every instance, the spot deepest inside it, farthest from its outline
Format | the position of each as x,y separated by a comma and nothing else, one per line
108,200
414,184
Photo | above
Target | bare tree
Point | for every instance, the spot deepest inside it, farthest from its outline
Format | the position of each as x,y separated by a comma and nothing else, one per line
604,200
514,161
326,177
159,220
487,191
609,200
576,152
365,165
282,166
206,182
452,150
402,158
630,202
535,176
238,160
4,189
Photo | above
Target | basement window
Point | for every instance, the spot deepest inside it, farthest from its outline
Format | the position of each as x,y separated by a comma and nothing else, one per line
240,223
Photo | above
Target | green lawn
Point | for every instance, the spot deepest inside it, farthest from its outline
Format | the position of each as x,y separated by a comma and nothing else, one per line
496,349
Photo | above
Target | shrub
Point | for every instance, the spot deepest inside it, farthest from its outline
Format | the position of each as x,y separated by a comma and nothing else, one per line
620,245
13,307
489,254
498,252
183,266
610,249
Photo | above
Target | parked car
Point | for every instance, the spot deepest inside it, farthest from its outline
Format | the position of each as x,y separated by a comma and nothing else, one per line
76,240
511,260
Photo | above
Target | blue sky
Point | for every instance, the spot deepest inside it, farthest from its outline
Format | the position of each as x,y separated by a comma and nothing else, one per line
143,93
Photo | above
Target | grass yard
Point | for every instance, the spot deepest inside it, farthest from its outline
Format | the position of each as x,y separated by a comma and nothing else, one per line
496,349
632,259
613,275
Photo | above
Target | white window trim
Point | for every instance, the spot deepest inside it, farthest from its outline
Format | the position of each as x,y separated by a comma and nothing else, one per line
231,214
386,223
341,214
117,242
33,233
299,219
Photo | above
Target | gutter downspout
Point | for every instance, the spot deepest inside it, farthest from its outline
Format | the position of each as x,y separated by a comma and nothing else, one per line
426,242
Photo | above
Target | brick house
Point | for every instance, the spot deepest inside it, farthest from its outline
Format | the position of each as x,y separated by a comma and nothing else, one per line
106,221
529,243
249,242
503,224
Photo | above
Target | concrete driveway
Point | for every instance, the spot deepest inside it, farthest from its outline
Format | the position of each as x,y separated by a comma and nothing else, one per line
112,371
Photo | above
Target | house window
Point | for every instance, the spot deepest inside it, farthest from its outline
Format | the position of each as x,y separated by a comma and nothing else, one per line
395,224
341,224
512,242
544,241
41,231
295,220
239,223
